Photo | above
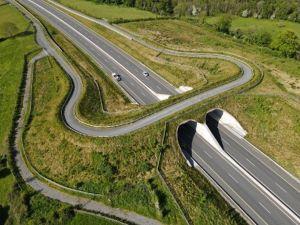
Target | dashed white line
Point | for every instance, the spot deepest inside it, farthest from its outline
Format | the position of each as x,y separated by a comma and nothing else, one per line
250,162
208,154
281,187
265,208
226,142
232,177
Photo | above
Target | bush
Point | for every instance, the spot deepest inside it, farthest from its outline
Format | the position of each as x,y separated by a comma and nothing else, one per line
224,24
287,44
260,37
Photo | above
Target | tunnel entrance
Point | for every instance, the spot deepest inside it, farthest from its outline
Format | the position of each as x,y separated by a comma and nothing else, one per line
185,135
212,120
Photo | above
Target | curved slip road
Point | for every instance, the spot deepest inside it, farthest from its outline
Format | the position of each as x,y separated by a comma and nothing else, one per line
69,108
74,124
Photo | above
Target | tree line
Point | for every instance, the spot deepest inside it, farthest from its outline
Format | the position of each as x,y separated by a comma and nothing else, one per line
266,9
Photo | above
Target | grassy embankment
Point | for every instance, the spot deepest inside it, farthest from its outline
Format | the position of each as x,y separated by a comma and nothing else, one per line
12,59
121,169
191,35
263,110
109,12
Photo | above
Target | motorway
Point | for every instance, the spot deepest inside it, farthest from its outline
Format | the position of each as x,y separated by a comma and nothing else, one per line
254,202
244,154
144,90
249,197
69,107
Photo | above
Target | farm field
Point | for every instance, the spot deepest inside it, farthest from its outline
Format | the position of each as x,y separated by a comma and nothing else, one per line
12,60
10,15
274,27
109,12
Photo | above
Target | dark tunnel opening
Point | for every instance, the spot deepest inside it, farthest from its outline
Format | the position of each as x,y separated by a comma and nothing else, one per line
185,136
212,120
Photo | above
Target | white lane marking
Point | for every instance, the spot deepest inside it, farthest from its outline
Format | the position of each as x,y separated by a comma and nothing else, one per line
156,76
229,133
280,187
226,142
158,87
228,185
265,208
250,162
239,169
208,154
232,177
113,59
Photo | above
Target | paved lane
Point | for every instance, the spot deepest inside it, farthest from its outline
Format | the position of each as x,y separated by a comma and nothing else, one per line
245,155
145,90
255,203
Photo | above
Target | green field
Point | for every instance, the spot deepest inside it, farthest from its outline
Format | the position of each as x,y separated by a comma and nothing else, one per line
121,169
109,12
11,15
12,53
281,79
191,35
274,27
12,59
87,219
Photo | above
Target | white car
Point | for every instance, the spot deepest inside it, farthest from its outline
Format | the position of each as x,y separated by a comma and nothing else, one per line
146,74
116,76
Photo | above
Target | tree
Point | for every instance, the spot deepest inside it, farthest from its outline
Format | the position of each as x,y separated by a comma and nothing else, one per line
287,44
224,23
10,29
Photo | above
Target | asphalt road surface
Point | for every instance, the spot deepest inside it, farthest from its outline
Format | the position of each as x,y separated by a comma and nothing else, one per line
69,107
255,203
244,154
144,90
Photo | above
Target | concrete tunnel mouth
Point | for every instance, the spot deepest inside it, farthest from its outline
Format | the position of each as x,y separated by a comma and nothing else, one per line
213,118
185,144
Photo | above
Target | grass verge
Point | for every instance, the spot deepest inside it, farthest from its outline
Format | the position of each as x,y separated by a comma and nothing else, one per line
110,12
123,174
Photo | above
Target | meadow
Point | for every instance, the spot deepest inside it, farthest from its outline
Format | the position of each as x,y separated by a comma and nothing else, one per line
277,96
108,12
122,169
13,53
274,27
11,15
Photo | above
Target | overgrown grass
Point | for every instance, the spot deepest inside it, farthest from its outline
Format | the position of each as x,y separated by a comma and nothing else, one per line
121,169
109,12
88,219
11,15
12,53
274,27
12,59
280,81
207,73
191,35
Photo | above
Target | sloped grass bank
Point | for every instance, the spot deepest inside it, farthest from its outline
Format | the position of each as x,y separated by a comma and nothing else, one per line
121,169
